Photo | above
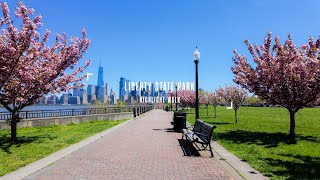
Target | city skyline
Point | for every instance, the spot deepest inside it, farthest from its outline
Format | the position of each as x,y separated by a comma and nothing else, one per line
154,41
140,94
83,95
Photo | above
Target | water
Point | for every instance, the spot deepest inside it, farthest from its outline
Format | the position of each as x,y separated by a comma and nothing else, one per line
49,107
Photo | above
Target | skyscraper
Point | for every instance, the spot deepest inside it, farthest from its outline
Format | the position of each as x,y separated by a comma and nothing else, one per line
101,94
100,76
64,99
84,97
107,98
77,91
107,89
74,100
113,98
122,88
153,91
91,90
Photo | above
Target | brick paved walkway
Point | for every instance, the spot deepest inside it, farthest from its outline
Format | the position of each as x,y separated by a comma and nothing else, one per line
142,149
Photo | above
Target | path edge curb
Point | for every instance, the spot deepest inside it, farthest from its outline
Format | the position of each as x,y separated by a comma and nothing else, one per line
243,168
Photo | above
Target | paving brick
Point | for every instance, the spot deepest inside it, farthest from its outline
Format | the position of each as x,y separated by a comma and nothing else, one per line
142,149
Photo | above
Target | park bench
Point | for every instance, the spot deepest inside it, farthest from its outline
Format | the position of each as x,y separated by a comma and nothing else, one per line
201,133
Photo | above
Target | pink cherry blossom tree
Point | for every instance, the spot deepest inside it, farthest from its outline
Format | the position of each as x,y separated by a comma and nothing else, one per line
187,98
206,98
29,68
233,94
317,102
283,74
216,100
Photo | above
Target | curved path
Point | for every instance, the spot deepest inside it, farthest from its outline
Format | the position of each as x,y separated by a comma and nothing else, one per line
144,148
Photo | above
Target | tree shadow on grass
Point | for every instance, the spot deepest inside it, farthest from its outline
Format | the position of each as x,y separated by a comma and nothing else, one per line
6,144
302,167
266,139
219,123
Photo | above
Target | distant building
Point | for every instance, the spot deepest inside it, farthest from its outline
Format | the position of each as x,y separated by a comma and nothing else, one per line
100,76
153,90
91,92
101,94
122,88
113,97
43,100
52,99
143,92
107,98
107,87
74,100
148,91
84,97
78,91
131,100
69,93
64,99
126,91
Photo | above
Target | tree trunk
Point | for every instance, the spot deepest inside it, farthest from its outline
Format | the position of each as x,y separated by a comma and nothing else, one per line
207,110
292,125
236,115
14,118
215,111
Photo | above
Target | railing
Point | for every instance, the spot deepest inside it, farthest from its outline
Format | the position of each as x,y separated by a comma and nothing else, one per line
136,110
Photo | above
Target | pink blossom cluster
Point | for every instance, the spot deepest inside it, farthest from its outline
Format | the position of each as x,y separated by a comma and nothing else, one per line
213,98
233,94
187,97
28,67
208,98
283,74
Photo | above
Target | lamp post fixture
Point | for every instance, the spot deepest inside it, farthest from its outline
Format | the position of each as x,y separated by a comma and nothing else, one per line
176,100
171,100
196,58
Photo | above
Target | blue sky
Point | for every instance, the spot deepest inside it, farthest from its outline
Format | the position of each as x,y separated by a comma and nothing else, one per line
153,40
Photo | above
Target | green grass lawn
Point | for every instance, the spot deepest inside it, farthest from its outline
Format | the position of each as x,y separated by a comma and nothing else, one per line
260,138
38,142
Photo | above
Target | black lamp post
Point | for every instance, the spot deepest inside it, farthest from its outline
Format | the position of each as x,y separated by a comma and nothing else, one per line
176,101
171,101
196,58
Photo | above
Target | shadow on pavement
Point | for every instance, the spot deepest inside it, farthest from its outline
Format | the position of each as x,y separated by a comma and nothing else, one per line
188,149
166,130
